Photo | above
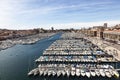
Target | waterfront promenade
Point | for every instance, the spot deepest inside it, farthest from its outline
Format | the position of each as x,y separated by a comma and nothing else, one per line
110,48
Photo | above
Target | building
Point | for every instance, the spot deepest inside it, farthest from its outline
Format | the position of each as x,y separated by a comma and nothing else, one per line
105,25
112,36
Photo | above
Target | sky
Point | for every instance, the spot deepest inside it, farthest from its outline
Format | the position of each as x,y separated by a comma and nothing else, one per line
60,14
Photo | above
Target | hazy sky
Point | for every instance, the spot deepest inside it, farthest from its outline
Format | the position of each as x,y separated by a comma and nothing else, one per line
25,14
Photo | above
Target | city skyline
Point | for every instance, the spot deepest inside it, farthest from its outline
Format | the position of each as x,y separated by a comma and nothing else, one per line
28,14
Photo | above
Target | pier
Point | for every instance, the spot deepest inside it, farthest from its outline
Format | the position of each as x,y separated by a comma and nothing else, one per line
73,56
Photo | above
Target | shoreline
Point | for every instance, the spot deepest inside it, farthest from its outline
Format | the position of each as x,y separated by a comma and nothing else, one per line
27,40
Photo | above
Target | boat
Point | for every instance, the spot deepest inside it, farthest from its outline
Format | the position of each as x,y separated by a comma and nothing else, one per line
53,73
73,73
92,72
31,72
78,72
83,72
49,73
45,73
36,72
63,73
111,72
97,72
102,72
40,72
58,73
116,74
87,73
68,73
107,73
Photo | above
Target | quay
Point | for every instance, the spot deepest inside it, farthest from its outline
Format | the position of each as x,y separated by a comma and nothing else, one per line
73,56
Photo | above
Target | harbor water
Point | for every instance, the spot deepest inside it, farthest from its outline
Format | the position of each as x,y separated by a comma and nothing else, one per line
17,61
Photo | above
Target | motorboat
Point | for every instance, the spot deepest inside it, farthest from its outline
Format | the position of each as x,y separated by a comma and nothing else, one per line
49,72
107,73
87,73
45,73
116,74
53,73
63,73
73,73
97,72
92,72
78,72
83,72
58,73
68,73
102,72
36,72
31,72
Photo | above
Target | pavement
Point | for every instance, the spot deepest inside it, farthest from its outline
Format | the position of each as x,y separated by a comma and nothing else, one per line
110,48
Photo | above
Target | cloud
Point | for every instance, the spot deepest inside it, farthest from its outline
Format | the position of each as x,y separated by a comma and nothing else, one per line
30,13
75,25
78,25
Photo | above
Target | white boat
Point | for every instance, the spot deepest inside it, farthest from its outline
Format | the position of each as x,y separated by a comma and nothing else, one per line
102,72
83,72
92,72
73,73
36,72
97,72
63,73
45,73
49,73
31,73
116,74
107,73
78,72
53,73
68,73
58,73
111,72
87,73
40,72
